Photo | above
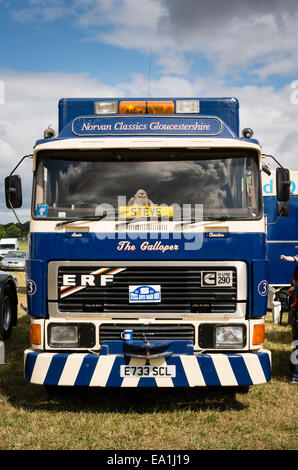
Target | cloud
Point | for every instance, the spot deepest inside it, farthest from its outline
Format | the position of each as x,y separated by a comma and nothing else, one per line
243,34
253,37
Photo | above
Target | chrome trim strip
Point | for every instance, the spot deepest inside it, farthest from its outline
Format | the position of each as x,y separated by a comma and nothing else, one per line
282,241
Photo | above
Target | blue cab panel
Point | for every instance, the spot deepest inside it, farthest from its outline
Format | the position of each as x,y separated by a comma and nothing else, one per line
227,109
282,238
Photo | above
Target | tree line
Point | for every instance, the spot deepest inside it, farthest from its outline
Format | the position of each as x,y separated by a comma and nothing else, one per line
14,230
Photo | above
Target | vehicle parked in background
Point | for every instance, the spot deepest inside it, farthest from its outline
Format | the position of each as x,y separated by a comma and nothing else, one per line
8,244
15,260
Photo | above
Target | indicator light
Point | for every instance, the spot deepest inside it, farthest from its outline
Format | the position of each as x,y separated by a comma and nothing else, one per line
35,333
258,334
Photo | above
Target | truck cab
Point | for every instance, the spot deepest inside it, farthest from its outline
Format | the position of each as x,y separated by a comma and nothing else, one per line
147,263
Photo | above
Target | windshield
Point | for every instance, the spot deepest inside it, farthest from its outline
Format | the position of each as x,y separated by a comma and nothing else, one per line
77,183
5,246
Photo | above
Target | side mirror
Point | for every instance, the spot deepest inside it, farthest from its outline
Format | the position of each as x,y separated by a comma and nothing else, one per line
13,191
282,184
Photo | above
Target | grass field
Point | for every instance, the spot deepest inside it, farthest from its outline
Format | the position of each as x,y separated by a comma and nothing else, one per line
163,419
23,245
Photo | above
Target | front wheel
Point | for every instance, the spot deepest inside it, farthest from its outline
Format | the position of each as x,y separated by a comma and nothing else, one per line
6,313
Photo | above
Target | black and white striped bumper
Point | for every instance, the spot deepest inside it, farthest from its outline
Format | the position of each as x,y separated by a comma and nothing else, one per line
194,370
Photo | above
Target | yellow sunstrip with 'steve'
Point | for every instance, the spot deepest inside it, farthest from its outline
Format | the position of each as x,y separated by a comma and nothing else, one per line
145,211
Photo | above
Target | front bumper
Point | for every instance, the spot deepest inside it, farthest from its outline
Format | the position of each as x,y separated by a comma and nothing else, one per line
13,267
192,370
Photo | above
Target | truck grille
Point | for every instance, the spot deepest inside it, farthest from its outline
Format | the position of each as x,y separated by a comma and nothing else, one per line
180,288
112,331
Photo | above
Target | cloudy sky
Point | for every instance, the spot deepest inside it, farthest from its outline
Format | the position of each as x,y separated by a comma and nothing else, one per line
73,48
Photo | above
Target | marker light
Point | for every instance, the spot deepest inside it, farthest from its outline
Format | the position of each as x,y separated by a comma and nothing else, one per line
132,107
160,107
105,107
35,333
258,334
187,106
247,133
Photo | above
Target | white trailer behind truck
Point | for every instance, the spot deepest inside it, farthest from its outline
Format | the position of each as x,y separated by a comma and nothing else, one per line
8,244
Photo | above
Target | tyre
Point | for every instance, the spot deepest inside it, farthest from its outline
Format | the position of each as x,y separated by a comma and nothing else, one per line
7,311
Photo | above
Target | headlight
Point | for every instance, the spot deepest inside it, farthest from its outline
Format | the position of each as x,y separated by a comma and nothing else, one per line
63,335
229,336
71,335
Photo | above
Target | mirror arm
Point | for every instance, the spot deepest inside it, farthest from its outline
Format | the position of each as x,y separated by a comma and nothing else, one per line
23,158
276,161
273,223
16,216
279,164
287,183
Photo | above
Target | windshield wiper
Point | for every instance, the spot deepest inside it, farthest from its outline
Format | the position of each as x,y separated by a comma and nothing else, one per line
203,222
139,219
78,219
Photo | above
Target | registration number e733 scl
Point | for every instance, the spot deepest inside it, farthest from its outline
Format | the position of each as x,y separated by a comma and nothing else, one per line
148,371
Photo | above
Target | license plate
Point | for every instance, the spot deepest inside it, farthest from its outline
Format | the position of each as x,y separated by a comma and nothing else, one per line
147,371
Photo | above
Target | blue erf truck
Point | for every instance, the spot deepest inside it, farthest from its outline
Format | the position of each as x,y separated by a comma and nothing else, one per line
147,263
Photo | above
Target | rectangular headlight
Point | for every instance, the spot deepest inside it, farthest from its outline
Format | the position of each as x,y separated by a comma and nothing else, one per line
64,335
71,335
229,336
